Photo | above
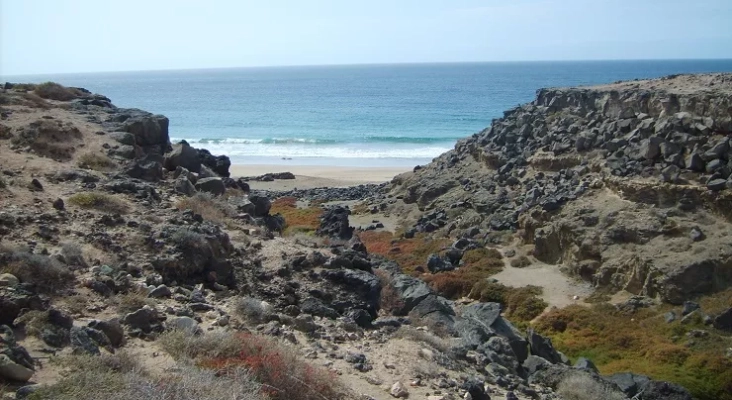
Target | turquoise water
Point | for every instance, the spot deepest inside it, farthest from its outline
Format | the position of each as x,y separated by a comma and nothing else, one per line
369,115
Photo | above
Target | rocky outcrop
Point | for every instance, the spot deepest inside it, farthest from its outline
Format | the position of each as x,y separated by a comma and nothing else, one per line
553,168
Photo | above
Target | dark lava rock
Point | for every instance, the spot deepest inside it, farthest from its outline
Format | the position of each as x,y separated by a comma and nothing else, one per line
723,321
334,223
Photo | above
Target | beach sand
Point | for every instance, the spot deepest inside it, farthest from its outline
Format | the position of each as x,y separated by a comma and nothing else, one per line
310,176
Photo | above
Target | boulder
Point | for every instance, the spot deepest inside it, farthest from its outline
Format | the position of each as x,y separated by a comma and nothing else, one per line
146,320
334,223
81,342
723,321
186,324
182,155
147,168
184,186
112,329
656,390
125,138
219,164
584,363
214,186
629,383
437,264
542,346
11,371
8,280
533,363
150,131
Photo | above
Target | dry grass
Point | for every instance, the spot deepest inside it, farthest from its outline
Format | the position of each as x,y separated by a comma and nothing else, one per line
181,345
275,365
95,161
99,201
644,343
50,138
298,220
132,301
408,253
120,377
45,274
209,207
54,91
521,304
423,336
34,101
583,387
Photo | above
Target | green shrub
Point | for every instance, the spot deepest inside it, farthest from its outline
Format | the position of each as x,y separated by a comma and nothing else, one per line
98,201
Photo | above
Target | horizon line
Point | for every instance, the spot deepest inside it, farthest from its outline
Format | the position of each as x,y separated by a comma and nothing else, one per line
359,65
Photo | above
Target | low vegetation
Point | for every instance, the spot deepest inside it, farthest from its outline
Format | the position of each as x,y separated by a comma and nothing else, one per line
121,377
298,219
691,354
209,207
583,387
54,91
408,253
95,161
276,366
45,274
477,266
521,304
132,301
49,138
98,201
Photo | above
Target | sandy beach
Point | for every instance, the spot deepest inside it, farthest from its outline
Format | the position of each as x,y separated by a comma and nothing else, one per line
310,176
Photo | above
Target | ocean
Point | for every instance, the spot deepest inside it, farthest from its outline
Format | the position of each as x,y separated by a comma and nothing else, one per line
358,115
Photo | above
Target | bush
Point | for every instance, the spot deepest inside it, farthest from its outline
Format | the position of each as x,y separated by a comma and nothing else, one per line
282,374
98,201
45,274
521,304
132,301
297,219
408,253
583,387
119,377
275,365
95,161
182,346
644,343
50,138
209,207
478,265
54,91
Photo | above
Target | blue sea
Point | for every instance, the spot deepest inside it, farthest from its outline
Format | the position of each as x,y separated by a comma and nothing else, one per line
359,115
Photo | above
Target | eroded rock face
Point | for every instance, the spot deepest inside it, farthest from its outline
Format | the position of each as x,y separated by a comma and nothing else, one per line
553,168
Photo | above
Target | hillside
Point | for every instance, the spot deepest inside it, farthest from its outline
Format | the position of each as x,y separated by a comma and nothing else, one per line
132,267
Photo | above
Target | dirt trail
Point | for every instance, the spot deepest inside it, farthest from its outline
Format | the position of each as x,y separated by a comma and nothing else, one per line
559,290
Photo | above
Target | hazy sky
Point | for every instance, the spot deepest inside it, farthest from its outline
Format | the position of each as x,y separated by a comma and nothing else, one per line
53,36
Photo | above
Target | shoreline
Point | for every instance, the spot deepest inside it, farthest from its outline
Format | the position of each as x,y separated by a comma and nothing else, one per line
313,176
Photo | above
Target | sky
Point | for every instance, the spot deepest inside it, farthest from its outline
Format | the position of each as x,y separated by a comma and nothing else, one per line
64,36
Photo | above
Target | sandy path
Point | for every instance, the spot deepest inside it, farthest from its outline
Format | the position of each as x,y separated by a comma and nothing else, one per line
559,289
